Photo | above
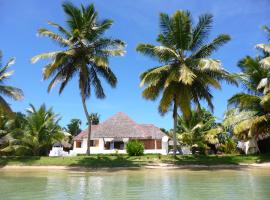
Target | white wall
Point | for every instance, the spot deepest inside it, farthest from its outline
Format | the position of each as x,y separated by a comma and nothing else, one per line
100,149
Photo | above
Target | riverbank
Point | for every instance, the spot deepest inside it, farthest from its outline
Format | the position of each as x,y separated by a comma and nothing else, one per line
148,161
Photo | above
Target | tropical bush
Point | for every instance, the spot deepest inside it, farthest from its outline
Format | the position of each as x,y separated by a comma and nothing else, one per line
36,135
200,130
228,147
135,148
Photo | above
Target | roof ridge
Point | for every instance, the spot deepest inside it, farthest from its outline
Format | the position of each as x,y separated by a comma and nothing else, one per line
135,124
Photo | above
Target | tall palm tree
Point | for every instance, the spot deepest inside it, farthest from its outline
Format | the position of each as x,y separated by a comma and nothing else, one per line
249,113
249,116
186,72
85,54
5,90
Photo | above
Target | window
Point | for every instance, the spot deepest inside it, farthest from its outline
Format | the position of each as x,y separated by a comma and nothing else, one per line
94,143
107,145
78,144
119,145
91,143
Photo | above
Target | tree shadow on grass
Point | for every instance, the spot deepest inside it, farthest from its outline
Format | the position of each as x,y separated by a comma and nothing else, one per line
217,162
263,158
110,162
19,160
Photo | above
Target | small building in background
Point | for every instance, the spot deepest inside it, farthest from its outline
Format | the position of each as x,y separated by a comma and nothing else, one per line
112,135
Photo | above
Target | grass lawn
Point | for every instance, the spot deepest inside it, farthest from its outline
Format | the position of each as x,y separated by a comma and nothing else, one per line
99,161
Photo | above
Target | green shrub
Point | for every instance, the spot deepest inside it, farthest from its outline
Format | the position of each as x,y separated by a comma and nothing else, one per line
135,148
228,147
200,149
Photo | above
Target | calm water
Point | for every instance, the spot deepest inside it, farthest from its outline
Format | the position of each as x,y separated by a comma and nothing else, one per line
143,184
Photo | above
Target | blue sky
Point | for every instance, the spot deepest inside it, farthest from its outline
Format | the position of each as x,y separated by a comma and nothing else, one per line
134,22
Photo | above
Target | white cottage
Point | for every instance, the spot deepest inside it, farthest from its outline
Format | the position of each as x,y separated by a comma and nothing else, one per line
112,135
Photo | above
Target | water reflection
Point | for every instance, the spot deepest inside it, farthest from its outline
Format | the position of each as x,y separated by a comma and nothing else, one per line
139,185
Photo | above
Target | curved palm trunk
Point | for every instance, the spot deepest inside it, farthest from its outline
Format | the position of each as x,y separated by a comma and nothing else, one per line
89,125
174,129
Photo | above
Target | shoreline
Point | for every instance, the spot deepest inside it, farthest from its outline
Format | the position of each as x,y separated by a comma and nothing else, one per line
159,166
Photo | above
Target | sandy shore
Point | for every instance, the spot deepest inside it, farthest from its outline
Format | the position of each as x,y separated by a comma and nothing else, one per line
156,166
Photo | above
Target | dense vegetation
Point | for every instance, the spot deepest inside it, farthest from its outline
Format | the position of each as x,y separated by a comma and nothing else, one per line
184,78
33,134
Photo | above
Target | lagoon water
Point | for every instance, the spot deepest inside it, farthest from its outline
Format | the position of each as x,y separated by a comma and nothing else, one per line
156,184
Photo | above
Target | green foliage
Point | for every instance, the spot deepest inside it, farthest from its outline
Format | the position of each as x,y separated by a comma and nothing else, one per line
186,72
11,125
249,115
94,118
199,148
5,90
165,131
200,130
38,133
85,53
135,148
229,147
74,127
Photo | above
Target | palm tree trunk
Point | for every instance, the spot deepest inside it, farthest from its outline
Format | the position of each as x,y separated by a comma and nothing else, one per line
174,129
89,125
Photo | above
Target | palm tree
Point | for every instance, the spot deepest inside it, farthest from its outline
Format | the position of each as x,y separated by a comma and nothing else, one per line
40,132
94,118
249,113
73,127
85,54
186,72
200,129
9,91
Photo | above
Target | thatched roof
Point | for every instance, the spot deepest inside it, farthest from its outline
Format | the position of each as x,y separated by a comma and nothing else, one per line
122,126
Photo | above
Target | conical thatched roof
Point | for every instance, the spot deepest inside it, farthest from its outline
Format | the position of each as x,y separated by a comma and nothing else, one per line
122,126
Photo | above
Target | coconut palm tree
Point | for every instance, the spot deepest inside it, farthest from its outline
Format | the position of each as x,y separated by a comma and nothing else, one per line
249,113
73,127
41,130
187,72
5,90
85,54
94,118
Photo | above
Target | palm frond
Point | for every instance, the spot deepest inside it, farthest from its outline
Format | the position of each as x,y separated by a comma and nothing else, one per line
206,50
5,107
263,47
49,55
55,37
201,31
11,92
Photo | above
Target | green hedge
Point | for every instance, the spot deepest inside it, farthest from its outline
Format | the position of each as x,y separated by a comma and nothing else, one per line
135,148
